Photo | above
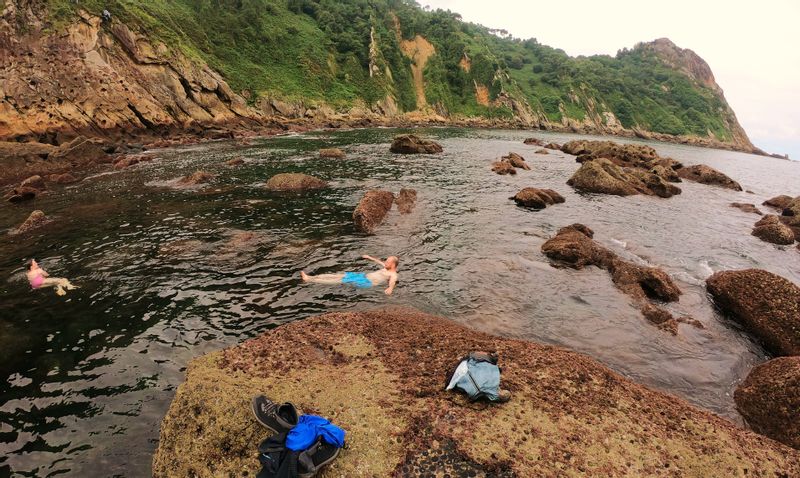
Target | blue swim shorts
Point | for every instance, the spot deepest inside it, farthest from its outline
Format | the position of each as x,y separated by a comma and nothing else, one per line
358,279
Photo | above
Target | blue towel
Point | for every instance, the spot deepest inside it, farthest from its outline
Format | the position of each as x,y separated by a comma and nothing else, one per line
311,427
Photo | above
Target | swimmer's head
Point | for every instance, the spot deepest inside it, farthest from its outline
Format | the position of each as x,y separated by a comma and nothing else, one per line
32,264
391,263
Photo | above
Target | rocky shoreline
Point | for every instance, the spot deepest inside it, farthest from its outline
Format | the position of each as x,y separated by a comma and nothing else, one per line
380,375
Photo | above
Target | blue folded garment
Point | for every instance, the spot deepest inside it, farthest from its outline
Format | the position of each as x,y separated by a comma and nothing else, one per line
311,427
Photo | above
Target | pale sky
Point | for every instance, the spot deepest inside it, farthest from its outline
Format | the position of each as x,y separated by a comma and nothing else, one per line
753,48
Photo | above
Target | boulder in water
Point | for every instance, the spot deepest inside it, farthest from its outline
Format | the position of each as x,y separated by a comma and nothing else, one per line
80,151
630,155
294,182
537,198
334,153
237,161
769,400
503,167
517,161
778,202
771,229
372,209
703,174
654,183
542,151
375,373
793,208
406,199
603,176
65,178
642,282
746,207
764,304
552,146
35,182
413,144
197,177
35,220
533,142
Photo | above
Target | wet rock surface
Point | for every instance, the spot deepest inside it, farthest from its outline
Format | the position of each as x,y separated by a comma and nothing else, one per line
413,144
533,142
294,182
769,400
771,229
65,178
372,209
234,162
21,193
700,173
355,368
406,199
536,198
542,151
764,304
334,153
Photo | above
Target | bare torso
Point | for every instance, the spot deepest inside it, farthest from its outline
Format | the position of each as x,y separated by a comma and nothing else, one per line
381,276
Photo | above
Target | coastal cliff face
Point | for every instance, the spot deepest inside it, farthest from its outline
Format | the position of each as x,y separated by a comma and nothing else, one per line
173,65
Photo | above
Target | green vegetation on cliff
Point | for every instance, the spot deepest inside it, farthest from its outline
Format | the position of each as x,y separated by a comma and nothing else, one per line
349,52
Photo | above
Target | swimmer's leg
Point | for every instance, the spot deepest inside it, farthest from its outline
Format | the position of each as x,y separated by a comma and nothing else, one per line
59,284
323,278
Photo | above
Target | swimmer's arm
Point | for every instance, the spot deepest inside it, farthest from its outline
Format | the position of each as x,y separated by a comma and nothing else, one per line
44,273
370,258
392,282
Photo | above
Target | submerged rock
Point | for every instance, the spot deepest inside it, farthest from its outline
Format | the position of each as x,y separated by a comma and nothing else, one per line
542,151
574,247
35,220
764,304
294,182
769,400
503,167
517,161
703,174
379,375
778,202
537,198
745,207
197,177
334,153
406,199
771,229
372,209
234,162
552,146
413,144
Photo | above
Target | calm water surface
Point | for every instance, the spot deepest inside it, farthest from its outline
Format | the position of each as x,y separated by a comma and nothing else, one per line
169,274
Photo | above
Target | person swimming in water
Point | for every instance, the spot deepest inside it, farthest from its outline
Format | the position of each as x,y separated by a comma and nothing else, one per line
39,278
361,279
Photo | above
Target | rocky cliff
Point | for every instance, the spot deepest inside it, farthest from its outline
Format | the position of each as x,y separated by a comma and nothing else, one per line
170,66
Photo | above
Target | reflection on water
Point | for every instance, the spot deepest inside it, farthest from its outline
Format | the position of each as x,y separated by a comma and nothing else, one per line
168,274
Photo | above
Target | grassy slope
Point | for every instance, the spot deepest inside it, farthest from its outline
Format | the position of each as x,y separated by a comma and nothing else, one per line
318,51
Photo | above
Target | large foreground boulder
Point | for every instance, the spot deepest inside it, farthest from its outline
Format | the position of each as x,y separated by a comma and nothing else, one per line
413,144
765,304
536,198
771,229
769,399
703,174
380,376
372,209
294,182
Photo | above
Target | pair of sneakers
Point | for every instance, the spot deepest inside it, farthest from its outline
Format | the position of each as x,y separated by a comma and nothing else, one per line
280,418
